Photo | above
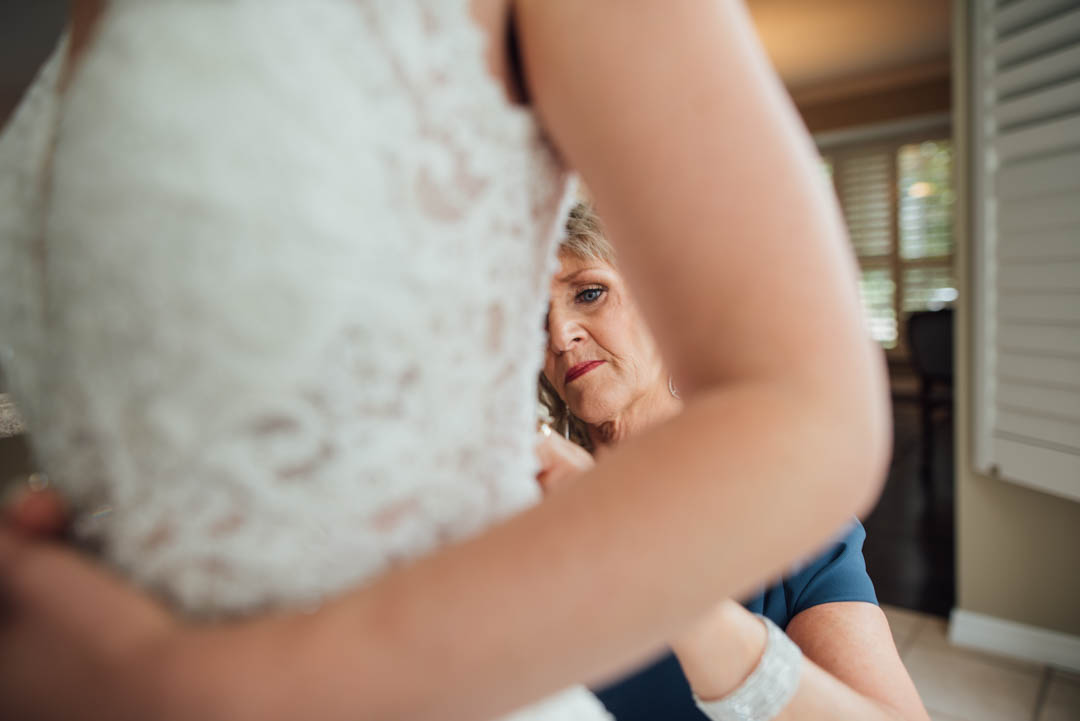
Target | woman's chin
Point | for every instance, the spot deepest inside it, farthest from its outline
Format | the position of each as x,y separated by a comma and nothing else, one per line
591,412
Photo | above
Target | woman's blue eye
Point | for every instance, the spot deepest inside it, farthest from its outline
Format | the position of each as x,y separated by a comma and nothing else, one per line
590,295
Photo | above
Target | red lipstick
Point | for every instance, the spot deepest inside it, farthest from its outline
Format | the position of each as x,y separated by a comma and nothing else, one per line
581,369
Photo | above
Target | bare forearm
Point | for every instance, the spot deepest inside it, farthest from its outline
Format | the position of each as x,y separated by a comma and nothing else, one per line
721,650
819,696
822,697
586,583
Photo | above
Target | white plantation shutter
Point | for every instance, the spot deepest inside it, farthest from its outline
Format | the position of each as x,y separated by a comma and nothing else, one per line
1026,193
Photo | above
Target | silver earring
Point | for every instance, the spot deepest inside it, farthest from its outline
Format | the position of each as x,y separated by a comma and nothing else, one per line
671,388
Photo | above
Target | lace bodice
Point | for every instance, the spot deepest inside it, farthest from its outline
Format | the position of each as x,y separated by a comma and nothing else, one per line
271,284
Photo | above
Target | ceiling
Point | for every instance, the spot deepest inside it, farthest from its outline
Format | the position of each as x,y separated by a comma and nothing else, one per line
816,44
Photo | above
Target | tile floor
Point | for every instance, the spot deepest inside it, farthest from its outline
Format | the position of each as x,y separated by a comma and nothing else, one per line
958,684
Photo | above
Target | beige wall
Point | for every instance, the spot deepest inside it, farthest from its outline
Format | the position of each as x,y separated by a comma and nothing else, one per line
1018,550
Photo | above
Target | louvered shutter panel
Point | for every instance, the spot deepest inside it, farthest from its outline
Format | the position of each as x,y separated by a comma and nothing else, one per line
1026,192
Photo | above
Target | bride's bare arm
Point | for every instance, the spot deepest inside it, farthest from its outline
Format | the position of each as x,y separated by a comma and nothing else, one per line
706,181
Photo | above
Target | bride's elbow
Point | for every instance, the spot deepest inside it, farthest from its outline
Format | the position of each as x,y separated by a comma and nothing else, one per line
862,440
877,444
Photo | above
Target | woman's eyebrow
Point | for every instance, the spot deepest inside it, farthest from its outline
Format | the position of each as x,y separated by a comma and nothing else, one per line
570,276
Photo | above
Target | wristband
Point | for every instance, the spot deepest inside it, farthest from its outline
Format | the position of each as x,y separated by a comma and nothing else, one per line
768,688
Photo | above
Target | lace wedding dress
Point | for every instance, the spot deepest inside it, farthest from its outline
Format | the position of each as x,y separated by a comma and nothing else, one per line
272,278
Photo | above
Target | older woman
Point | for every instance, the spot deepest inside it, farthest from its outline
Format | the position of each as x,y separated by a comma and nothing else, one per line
604,381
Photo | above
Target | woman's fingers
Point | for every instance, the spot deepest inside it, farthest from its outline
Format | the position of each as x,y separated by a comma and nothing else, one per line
67,623
33,571
560,461
545,452
12,548
37,513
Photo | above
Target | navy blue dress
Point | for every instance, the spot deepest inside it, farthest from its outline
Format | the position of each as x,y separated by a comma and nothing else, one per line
660,692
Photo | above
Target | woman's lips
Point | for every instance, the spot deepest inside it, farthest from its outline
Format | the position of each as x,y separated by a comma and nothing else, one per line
581,369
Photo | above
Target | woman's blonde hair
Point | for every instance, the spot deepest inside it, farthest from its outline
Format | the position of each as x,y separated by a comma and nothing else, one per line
585,237
585,240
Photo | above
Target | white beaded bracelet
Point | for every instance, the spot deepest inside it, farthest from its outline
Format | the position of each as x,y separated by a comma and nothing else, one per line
769,687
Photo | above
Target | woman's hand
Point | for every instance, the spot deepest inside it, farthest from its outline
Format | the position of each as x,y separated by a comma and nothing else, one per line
561,461
75,642
41,513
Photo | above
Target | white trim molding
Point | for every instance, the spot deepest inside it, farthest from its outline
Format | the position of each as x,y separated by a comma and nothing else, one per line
1017,640
930,123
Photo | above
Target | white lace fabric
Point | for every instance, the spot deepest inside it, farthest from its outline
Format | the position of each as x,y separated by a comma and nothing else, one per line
272,278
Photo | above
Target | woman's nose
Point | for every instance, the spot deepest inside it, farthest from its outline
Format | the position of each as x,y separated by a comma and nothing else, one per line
563,332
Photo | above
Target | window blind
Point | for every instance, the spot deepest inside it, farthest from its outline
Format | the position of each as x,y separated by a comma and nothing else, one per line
897,197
